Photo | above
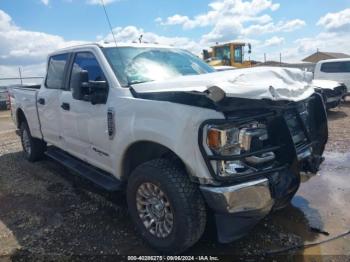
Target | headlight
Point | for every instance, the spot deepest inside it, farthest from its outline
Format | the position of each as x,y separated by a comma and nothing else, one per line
232,140
223,140
236,140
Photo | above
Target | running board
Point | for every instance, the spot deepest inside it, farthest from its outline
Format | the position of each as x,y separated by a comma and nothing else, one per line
97,176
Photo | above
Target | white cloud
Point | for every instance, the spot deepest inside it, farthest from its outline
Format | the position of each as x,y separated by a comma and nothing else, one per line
98,2
19,47
291,25
335,37
232,19
271,27
224,30
45,2
274,41
132,34
336,21
242,11
325,41
29,49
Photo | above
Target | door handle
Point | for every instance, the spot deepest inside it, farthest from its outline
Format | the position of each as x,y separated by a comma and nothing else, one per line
41,101
65,106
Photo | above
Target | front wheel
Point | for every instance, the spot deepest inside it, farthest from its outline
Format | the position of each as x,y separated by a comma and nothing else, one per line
166,206
33,148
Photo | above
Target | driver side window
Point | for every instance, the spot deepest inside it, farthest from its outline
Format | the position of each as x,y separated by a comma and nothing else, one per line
86,61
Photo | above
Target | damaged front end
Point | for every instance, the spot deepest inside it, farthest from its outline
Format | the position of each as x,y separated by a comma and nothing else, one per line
268,144
255,154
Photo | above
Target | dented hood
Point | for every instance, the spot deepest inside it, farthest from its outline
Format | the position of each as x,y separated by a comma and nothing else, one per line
273,83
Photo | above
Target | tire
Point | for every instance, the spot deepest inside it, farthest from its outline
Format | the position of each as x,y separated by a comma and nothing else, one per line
183,202
33,148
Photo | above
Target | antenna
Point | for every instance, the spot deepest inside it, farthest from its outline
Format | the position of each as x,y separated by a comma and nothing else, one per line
109,22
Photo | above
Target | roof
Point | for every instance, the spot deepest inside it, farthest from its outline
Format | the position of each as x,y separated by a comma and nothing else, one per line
315,57
226,44
103,44
336,60
336,55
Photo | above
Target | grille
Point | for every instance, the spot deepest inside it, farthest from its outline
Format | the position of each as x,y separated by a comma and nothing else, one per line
297,120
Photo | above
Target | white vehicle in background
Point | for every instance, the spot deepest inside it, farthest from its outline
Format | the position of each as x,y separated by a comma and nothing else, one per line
181,140
4,98
334,69
332,91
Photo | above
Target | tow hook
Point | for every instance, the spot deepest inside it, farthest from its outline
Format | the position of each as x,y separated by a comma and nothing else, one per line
312,163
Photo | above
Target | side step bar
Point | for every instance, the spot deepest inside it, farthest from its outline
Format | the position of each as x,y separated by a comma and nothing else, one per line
95,175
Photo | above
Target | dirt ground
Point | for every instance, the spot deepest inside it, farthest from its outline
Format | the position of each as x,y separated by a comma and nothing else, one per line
45,211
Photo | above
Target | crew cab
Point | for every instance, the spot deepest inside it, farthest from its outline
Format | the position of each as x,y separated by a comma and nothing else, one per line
183,141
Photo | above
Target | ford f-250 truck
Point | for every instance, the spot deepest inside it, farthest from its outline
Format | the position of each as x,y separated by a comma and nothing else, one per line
183,141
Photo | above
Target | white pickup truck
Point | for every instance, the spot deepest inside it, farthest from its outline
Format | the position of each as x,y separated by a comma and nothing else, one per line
183,141
335,70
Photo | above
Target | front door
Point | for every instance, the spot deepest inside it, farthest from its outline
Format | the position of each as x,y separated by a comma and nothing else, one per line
84,125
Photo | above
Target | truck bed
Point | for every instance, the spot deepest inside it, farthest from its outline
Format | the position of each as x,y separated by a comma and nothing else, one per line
24,98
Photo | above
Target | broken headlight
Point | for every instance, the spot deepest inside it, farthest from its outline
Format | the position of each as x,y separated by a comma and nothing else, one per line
238,140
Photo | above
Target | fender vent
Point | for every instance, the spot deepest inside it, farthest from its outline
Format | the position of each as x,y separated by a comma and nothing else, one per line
110,123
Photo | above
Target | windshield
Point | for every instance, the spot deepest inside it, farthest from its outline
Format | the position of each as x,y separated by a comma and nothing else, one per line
133,65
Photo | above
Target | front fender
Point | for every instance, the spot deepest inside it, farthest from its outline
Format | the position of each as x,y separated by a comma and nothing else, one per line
171,125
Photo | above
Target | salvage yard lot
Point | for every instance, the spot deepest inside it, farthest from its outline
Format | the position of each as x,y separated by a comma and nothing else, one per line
45,210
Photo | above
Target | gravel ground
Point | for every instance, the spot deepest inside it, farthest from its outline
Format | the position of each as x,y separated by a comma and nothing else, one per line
46,212
339,128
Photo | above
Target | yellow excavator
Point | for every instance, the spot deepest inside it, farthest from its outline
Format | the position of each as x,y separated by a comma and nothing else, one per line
229,54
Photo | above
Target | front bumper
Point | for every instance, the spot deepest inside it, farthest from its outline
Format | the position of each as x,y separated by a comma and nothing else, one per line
249,196
238,208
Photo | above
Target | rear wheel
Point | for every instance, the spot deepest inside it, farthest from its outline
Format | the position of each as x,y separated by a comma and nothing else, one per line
166,206
33,148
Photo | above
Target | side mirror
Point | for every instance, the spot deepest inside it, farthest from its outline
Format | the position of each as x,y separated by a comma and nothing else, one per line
94,91
97,92
78,79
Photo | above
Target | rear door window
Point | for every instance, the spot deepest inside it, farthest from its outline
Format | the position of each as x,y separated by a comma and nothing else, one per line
55,71
336,67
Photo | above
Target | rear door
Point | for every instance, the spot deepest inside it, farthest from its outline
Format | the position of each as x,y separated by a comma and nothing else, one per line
84,125
48,98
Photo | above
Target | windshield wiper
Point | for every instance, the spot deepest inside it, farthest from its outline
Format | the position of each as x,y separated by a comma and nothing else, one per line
138,82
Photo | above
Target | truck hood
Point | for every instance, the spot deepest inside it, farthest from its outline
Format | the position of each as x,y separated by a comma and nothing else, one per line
325,84
274,83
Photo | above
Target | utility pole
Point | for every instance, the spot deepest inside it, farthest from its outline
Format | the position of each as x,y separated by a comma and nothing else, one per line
20,74
280,59
140,38
264,57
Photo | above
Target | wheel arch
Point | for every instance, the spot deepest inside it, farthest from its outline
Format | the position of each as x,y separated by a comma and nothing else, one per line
20,117
143,151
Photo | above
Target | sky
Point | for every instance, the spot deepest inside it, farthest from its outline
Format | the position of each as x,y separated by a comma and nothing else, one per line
31,29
